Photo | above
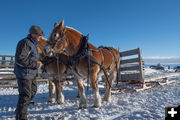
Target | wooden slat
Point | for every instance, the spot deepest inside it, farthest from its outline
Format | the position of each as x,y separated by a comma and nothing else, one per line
7,77
130,77
152,78
14,80
7,56
10,66
15,85
129,68
6,71
9,86
132,60
129,52
6,60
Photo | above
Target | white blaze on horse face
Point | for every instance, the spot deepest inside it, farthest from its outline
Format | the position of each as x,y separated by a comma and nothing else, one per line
56,36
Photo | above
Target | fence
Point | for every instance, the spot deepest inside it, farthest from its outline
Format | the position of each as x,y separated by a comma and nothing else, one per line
132,71
7,77
131,66
6,61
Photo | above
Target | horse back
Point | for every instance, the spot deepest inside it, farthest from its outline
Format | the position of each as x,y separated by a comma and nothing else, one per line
106,56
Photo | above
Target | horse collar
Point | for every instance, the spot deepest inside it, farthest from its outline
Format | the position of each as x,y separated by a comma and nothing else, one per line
84,46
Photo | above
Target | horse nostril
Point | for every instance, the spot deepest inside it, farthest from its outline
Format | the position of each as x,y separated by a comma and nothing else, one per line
46,50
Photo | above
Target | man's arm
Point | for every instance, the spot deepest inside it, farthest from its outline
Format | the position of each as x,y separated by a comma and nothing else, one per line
22,55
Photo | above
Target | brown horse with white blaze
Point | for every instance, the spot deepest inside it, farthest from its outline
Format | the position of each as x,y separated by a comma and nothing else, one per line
52,66
107,59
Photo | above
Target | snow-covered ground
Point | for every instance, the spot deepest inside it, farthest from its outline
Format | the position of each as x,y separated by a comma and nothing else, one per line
128,105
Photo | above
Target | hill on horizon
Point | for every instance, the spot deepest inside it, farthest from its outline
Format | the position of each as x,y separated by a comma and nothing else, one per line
162,60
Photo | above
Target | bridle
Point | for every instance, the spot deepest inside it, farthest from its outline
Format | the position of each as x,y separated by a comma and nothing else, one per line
61,39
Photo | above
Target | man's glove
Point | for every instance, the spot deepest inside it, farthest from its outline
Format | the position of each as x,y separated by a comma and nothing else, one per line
39,64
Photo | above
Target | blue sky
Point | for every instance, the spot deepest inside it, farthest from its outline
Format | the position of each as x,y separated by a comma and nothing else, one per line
153,25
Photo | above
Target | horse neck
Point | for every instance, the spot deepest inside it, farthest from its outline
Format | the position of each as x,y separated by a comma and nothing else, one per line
40,48
43,41
73,42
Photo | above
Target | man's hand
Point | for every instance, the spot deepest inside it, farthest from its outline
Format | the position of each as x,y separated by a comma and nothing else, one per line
40,65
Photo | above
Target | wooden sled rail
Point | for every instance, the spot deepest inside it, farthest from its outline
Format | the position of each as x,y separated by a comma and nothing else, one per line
152,78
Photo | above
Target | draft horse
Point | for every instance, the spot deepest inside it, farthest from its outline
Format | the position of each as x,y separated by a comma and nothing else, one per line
102,59
53,66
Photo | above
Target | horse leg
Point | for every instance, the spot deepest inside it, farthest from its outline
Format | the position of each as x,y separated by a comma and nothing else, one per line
59,93
81,90
78,95
112,77
94,84
51,91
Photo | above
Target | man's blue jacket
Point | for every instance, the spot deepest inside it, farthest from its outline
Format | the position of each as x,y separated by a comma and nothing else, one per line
26,57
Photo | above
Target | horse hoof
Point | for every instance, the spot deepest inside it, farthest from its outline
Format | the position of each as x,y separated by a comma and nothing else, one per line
60,102
97,105
51,100
94,106
108,100
82,107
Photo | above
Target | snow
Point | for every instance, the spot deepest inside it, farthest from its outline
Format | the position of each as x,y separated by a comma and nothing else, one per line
126,105
6,69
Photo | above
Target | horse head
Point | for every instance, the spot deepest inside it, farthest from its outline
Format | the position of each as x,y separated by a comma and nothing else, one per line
56,41
63,38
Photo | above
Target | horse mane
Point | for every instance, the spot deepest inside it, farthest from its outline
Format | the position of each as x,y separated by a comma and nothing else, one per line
72,29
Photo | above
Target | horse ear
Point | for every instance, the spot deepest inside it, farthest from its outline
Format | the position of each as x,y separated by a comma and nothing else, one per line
62,24
55,24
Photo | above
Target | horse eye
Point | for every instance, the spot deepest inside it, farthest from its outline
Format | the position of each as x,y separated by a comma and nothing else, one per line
56,36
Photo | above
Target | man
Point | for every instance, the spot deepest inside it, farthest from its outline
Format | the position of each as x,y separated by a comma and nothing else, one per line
26,69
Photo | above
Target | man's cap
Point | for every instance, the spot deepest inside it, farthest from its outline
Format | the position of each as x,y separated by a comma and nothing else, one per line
36,30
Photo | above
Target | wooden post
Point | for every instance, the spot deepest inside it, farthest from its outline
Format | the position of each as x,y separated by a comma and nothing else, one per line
141,67
118,77
11,62
3,61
